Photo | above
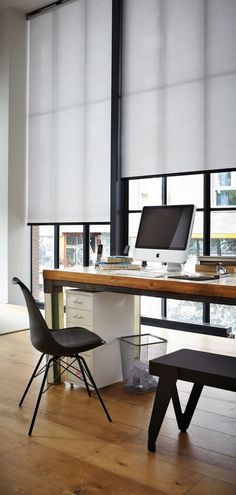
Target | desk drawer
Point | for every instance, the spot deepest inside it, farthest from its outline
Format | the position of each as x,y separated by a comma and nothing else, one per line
79,300
79,317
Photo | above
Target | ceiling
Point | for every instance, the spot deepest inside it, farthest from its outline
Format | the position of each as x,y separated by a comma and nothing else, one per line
24,5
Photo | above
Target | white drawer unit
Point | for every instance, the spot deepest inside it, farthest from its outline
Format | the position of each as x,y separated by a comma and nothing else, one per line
110,316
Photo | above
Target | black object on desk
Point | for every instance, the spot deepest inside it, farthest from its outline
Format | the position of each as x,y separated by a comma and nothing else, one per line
195,276
200,368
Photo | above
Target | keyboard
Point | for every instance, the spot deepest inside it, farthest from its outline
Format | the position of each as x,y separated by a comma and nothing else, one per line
138,273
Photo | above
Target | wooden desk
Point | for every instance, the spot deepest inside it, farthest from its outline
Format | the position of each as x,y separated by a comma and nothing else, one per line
222,291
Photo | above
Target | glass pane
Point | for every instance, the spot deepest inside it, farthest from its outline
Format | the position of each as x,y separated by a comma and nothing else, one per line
151,307
144,192
185,189
184,310
99,234
223,233
134,219
42,256
223,189
221,314
71,246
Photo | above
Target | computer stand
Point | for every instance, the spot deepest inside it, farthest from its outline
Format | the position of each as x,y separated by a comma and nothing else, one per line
174,268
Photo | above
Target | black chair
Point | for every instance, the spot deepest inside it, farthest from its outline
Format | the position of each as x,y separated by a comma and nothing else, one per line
56,345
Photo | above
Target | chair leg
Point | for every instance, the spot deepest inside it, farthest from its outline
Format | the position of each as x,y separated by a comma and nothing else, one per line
84,376
31,379
40,395
84,364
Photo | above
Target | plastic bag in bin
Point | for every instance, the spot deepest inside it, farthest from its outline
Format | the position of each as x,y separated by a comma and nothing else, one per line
138,379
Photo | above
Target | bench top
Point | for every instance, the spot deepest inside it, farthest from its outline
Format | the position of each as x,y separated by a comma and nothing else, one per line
205,368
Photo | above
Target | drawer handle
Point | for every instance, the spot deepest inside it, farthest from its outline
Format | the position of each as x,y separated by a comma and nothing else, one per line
78,317
77,301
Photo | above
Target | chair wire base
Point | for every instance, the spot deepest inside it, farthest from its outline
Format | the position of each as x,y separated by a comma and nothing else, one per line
86,377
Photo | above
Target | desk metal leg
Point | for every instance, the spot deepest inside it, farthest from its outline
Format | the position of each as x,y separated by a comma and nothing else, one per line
164,392
54,316
184,418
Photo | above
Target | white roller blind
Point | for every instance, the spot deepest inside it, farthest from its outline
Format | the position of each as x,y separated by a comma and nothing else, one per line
179,86
69,113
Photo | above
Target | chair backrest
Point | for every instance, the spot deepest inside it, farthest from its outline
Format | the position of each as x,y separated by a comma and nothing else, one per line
40,334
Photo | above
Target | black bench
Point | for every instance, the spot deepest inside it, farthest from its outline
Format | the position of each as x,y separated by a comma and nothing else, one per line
200,368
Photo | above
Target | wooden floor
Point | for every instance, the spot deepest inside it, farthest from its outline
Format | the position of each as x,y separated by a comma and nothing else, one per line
75,450
13,318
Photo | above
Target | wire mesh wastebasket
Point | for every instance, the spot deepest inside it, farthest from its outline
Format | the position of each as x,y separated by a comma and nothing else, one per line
136,352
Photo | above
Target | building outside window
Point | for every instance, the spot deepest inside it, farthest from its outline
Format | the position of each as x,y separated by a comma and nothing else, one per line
224,189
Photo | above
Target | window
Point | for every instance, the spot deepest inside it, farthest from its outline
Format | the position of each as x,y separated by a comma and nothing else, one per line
65,246
223,191
71,246
69,83
99,234
144,192
170,117
185,310
178,87
223,232
189,189
185,189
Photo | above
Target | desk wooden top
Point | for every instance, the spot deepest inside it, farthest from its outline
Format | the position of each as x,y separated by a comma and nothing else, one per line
89,278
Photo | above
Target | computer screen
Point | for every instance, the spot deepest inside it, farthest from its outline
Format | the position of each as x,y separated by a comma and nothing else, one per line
164,234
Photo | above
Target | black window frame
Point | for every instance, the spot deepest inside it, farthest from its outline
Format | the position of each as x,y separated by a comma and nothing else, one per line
206,210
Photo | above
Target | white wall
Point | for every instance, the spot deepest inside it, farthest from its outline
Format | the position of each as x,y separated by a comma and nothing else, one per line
14,232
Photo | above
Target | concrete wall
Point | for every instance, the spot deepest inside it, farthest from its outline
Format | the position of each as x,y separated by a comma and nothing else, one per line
14,232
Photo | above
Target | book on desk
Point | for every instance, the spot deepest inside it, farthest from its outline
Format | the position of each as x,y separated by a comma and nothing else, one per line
118,266
216,264
116,259
117,263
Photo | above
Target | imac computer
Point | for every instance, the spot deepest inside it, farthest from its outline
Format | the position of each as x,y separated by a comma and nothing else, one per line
164,235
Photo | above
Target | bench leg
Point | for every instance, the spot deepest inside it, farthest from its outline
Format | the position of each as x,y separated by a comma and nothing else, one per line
165,388
184,418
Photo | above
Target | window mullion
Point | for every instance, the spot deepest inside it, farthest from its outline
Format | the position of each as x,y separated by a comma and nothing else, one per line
86,244
56,245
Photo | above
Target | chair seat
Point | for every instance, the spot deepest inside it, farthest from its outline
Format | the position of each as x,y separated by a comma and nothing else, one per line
68,339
